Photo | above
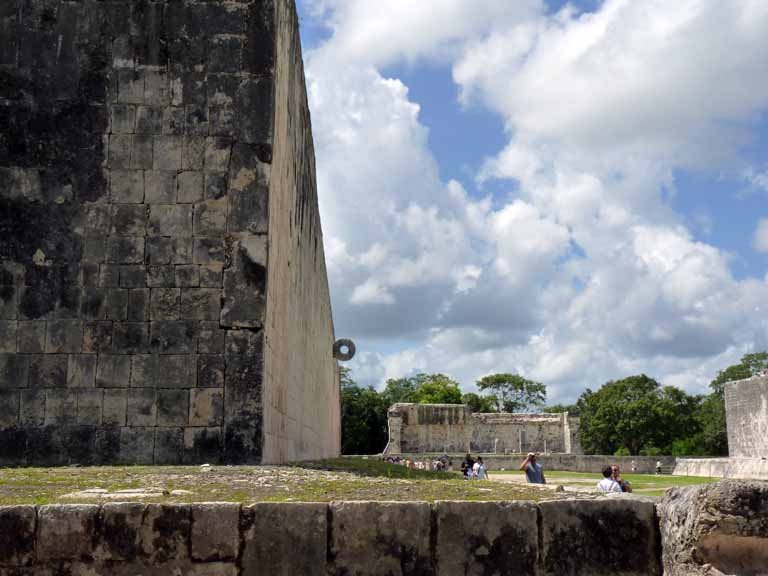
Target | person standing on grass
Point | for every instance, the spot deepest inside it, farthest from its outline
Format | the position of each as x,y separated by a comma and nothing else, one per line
608,484
534,472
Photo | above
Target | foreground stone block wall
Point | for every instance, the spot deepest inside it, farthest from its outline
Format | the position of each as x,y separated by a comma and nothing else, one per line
746,410
140,235
611,537
450,428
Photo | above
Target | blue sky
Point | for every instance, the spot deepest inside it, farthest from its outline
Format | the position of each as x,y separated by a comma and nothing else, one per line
572,194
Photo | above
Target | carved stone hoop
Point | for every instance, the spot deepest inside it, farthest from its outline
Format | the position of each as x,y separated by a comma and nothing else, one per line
340,345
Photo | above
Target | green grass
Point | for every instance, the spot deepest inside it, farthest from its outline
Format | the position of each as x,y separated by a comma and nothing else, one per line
647,484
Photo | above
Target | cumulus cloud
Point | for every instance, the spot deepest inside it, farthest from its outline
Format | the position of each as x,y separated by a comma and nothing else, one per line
581,270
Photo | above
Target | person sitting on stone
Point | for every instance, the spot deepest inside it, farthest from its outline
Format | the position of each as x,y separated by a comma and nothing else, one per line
616,475
534,472
608,484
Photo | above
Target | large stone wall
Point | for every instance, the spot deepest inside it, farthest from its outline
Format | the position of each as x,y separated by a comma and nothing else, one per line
610,536
141,228
746,409
450,428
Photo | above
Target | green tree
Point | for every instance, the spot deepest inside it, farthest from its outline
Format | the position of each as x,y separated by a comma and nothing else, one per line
750,365
572,409
513,392
479,403
636,413
436,389
399,390
363,418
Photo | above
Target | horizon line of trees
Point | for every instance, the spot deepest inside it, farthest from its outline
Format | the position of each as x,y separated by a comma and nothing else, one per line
632,416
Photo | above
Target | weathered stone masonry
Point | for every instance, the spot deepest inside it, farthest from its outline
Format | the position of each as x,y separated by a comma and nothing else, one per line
137,146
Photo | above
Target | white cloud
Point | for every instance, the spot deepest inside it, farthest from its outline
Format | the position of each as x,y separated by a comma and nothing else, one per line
583,272
760,239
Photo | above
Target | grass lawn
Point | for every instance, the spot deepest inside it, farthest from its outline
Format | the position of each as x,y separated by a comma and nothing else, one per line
647,484
321,481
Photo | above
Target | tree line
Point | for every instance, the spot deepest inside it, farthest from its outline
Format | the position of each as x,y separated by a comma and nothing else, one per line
633,416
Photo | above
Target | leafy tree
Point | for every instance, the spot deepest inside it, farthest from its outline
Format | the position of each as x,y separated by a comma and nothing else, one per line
572,409
436,389
363,418
479,403
399,390
713,438
635,413
513,392
750,365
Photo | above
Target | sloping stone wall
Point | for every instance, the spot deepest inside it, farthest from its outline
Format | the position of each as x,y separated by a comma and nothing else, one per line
746,410
136,146
611,537
415,428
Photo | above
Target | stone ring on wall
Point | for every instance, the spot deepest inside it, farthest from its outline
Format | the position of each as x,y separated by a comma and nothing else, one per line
343,349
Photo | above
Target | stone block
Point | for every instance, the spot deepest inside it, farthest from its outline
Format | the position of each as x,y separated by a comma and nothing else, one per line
133,276
172,407
160,187
149,120
127,186
173,122
157,90
212,276
286,538
8,336
130,338
200,303
210,252
248,192
215,185
193,155
187,276
255,95
89,405
167,152
225,54
160,277
606,536
169,445
81,371
487,538
14,371
163,251
215,531
164,371
130,86
165,303
95,249
141,408
93,304
197,120
137,445
202,445
715,529
211,218
123,119
138,305
244,343
169,337
32,409
64,336
211,338
13,446
380,538
97,337
244,297
206,407
143,152
125,249
117,303
166,532
260,44
121,527
170,220
115,407
48,371
120,146
190,187
66,532
9,298
17,538
109,276
60,407
31,336
217,153
222,121
128,220
9,408
90,272
210,371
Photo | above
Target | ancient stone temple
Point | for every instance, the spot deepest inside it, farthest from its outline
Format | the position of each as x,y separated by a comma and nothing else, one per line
163,292
450,428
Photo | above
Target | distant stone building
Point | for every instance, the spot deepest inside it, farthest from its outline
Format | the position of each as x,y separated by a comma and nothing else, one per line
416,428
163,290
746,409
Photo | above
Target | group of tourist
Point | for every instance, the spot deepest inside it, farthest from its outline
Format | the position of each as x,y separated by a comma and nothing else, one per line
474,469
611,481
441,464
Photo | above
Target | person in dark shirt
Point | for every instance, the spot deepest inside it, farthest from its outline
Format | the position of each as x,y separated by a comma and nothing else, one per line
466,465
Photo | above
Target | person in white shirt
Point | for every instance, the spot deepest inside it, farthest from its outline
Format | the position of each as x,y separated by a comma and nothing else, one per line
479,471
608,484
